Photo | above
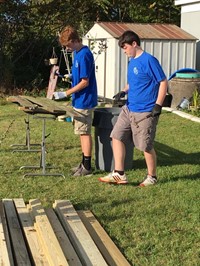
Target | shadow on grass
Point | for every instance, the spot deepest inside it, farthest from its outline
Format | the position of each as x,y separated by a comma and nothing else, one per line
186,177
168,156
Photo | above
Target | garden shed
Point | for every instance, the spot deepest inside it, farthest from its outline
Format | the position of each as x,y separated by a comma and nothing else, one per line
172,46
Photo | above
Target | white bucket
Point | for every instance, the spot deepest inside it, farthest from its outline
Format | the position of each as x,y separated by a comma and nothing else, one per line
53,61
184,104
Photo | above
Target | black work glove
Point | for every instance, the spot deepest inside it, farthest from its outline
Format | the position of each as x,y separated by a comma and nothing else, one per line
156,110
119,95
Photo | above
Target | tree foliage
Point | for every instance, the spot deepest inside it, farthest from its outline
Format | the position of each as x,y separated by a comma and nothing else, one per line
29,30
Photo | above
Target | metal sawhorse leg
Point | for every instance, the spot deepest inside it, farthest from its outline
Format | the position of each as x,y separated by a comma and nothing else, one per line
43,154
27,144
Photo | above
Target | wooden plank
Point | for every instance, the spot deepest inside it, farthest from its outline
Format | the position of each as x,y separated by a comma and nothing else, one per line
37,111
52,249
63,239
52,81
49,105
70,111
22,101
79,236
54,106
20,252
6,257
30,233
111,253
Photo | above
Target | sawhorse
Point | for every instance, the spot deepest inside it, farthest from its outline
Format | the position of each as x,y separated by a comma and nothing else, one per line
27,143
43,153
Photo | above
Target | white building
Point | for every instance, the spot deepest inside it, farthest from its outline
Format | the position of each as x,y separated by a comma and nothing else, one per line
190,19
171,45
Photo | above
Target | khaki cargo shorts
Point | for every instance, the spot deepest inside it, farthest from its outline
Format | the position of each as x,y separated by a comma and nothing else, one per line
83,123
127,129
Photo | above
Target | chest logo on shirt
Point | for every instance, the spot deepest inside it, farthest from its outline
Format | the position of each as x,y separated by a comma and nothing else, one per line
135,70
76,63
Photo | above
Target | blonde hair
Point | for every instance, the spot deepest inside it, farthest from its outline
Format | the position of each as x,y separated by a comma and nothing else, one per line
69,34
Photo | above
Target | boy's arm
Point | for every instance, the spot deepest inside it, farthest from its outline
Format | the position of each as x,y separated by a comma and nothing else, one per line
162,92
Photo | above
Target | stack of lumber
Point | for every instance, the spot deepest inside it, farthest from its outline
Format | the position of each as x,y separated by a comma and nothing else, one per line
58,236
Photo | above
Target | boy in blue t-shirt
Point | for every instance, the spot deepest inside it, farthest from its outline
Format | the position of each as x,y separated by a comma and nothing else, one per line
84,94
146,90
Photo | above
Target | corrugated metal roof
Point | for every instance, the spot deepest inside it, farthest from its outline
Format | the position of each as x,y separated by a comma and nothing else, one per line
147,31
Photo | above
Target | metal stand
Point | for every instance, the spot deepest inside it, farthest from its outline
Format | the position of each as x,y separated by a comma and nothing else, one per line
28,144
43,154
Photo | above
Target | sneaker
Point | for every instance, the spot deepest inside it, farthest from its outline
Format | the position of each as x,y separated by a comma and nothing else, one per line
148,181
114,178
82,171
75,169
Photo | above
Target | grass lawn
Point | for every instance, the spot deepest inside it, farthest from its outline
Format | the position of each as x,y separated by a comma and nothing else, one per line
152,226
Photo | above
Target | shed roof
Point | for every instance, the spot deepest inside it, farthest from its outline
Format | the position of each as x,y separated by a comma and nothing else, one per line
147,31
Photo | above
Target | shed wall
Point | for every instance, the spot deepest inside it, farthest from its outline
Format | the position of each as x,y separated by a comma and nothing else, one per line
111,64
172,55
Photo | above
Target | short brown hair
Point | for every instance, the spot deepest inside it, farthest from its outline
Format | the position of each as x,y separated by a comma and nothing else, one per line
68,34
128,37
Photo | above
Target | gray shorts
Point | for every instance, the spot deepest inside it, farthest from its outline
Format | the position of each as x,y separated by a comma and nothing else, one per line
83,123
142,134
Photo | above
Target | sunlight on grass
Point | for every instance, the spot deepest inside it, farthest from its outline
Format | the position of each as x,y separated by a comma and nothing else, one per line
152,226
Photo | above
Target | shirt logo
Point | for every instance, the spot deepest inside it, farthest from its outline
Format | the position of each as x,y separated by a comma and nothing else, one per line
76,64
135,70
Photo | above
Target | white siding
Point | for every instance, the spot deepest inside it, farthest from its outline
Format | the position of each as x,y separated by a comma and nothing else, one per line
185,2
190,19
111,64
190,23
172,55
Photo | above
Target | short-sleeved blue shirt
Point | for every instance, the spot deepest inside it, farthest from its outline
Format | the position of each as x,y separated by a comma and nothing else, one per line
84,67
144,76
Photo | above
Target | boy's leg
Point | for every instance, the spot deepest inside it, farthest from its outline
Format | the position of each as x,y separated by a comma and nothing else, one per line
120,134
144,134
119,152
150,179
86,144
150,158
82,127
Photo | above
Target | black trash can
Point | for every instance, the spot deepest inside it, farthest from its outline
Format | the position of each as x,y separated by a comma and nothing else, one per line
104,120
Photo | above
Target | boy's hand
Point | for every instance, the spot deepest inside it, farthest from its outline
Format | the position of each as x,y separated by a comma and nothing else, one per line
119,95
67,78
59,95
156,110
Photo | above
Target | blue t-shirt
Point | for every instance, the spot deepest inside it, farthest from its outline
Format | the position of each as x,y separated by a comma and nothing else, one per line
83,67
144,76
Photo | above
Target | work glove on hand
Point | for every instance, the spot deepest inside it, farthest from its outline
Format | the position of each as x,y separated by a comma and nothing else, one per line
156,110
119,95
59,95
67,78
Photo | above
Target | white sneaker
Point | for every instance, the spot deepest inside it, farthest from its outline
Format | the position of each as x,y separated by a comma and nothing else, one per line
148,181
114,178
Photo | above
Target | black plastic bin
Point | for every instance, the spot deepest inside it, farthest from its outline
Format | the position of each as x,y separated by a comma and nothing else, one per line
104,120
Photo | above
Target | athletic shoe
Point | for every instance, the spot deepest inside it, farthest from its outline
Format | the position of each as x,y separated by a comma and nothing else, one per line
114,178
75,169
82,171
148,181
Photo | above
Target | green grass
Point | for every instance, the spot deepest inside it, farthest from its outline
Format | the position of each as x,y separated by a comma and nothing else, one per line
154,226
